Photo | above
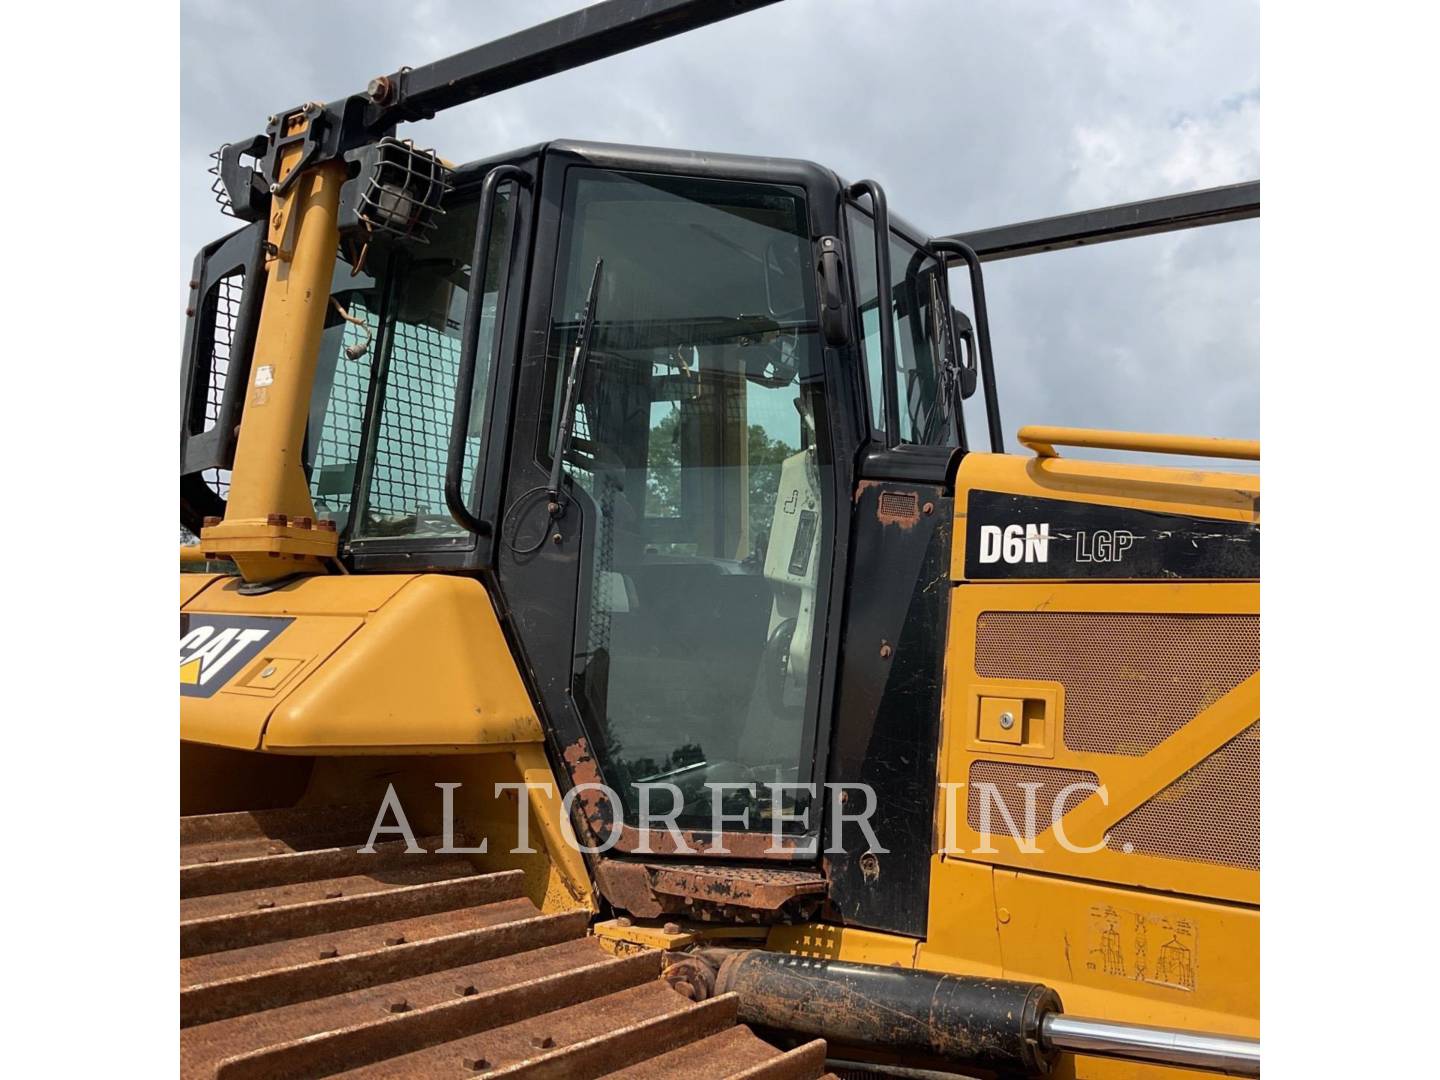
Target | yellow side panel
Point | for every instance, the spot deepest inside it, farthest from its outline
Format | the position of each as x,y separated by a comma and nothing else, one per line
325,611
1133,956
429,671
962,936
1128,781
368,664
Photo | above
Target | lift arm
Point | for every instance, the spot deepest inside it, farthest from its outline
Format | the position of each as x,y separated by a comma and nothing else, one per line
250,169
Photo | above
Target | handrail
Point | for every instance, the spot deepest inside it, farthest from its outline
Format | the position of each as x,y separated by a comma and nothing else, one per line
952,246
1043,441
470,344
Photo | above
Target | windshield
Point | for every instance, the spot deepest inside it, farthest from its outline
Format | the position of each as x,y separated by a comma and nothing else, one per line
916,284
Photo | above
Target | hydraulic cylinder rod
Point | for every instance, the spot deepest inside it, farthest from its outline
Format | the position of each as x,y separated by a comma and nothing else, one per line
1011,1027
1159,1046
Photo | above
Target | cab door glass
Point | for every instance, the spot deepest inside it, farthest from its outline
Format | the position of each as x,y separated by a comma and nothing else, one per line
924,413
701,451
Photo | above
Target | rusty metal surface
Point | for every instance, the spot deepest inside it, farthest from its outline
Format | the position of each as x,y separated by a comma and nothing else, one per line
709,892
595,814
302,957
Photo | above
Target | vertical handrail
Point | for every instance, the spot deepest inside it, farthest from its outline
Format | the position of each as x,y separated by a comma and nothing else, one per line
889,391
982,334
470,347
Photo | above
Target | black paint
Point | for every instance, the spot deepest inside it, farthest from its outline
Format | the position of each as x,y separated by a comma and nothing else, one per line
887,723
1088,540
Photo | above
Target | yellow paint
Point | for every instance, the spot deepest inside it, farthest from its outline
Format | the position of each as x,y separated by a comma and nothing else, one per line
1043,441
548,818
388,679
268,476
430,671
823,941
1131,937
192,585
1083,937
375,664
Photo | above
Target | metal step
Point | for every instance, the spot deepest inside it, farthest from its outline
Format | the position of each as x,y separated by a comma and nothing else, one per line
301,957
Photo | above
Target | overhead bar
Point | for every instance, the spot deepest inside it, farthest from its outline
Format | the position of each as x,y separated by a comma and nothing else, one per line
1192,209
570,41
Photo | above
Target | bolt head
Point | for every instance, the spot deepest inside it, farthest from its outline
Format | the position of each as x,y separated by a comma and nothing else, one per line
475,1064
378,90
465,990
329,954
398,1006
672,928
541,1042
395,939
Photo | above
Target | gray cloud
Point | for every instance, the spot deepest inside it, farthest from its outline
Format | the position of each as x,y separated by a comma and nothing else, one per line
971,113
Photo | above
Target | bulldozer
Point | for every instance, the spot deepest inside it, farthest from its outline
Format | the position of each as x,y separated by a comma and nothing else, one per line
606,651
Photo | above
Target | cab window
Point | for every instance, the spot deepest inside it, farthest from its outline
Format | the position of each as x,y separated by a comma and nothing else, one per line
701,452
914,304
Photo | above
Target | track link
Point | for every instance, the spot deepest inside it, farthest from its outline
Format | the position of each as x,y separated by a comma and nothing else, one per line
301,957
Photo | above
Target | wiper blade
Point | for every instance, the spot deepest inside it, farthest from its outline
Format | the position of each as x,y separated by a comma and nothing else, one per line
583,336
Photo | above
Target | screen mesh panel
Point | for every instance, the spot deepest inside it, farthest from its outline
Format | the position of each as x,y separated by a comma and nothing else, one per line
1210,814
1007,779
1132,679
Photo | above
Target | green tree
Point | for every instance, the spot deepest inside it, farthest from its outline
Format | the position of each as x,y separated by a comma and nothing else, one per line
766,455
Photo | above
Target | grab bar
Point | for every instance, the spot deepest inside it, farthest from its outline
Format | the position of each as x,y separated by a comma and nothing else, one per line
1043,441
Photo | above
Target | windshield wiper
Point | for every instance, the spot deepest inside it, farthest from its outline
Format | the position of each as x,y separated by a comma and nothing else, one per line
578,359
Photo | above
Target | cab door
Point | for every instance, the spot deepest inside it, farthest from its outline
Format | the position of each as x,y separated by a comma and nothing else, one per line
672,602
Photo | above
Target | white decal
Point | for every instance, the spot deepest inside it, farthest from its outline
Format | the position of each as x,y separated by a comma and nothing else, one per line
1015,543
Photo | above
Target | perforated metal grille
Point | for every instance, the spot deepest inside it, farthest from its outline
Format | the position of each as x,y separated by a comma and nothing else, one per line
1132,679
1007,780
332,475
222,312
1211,814
414,431
219,314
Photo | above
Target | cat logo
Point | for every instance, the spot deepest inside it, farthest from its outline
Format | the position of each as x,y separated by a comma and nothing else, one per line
215,647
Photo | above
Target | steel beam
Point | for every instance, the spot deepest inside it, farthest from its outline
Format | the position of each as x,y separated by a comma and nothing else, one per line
1210,206
570,41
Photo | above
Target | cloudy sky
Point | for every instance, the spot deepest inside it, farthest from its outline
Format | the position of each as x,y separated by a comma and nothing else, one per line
969,112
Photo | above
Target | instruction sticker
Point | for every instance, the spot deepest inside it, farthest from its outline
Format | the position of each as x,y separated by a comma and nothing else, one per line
1155,949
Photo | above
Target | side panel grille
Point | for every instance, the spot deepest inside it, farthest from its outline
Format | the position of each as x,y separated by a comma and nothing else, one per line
1132,679
1211,814
1007,780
